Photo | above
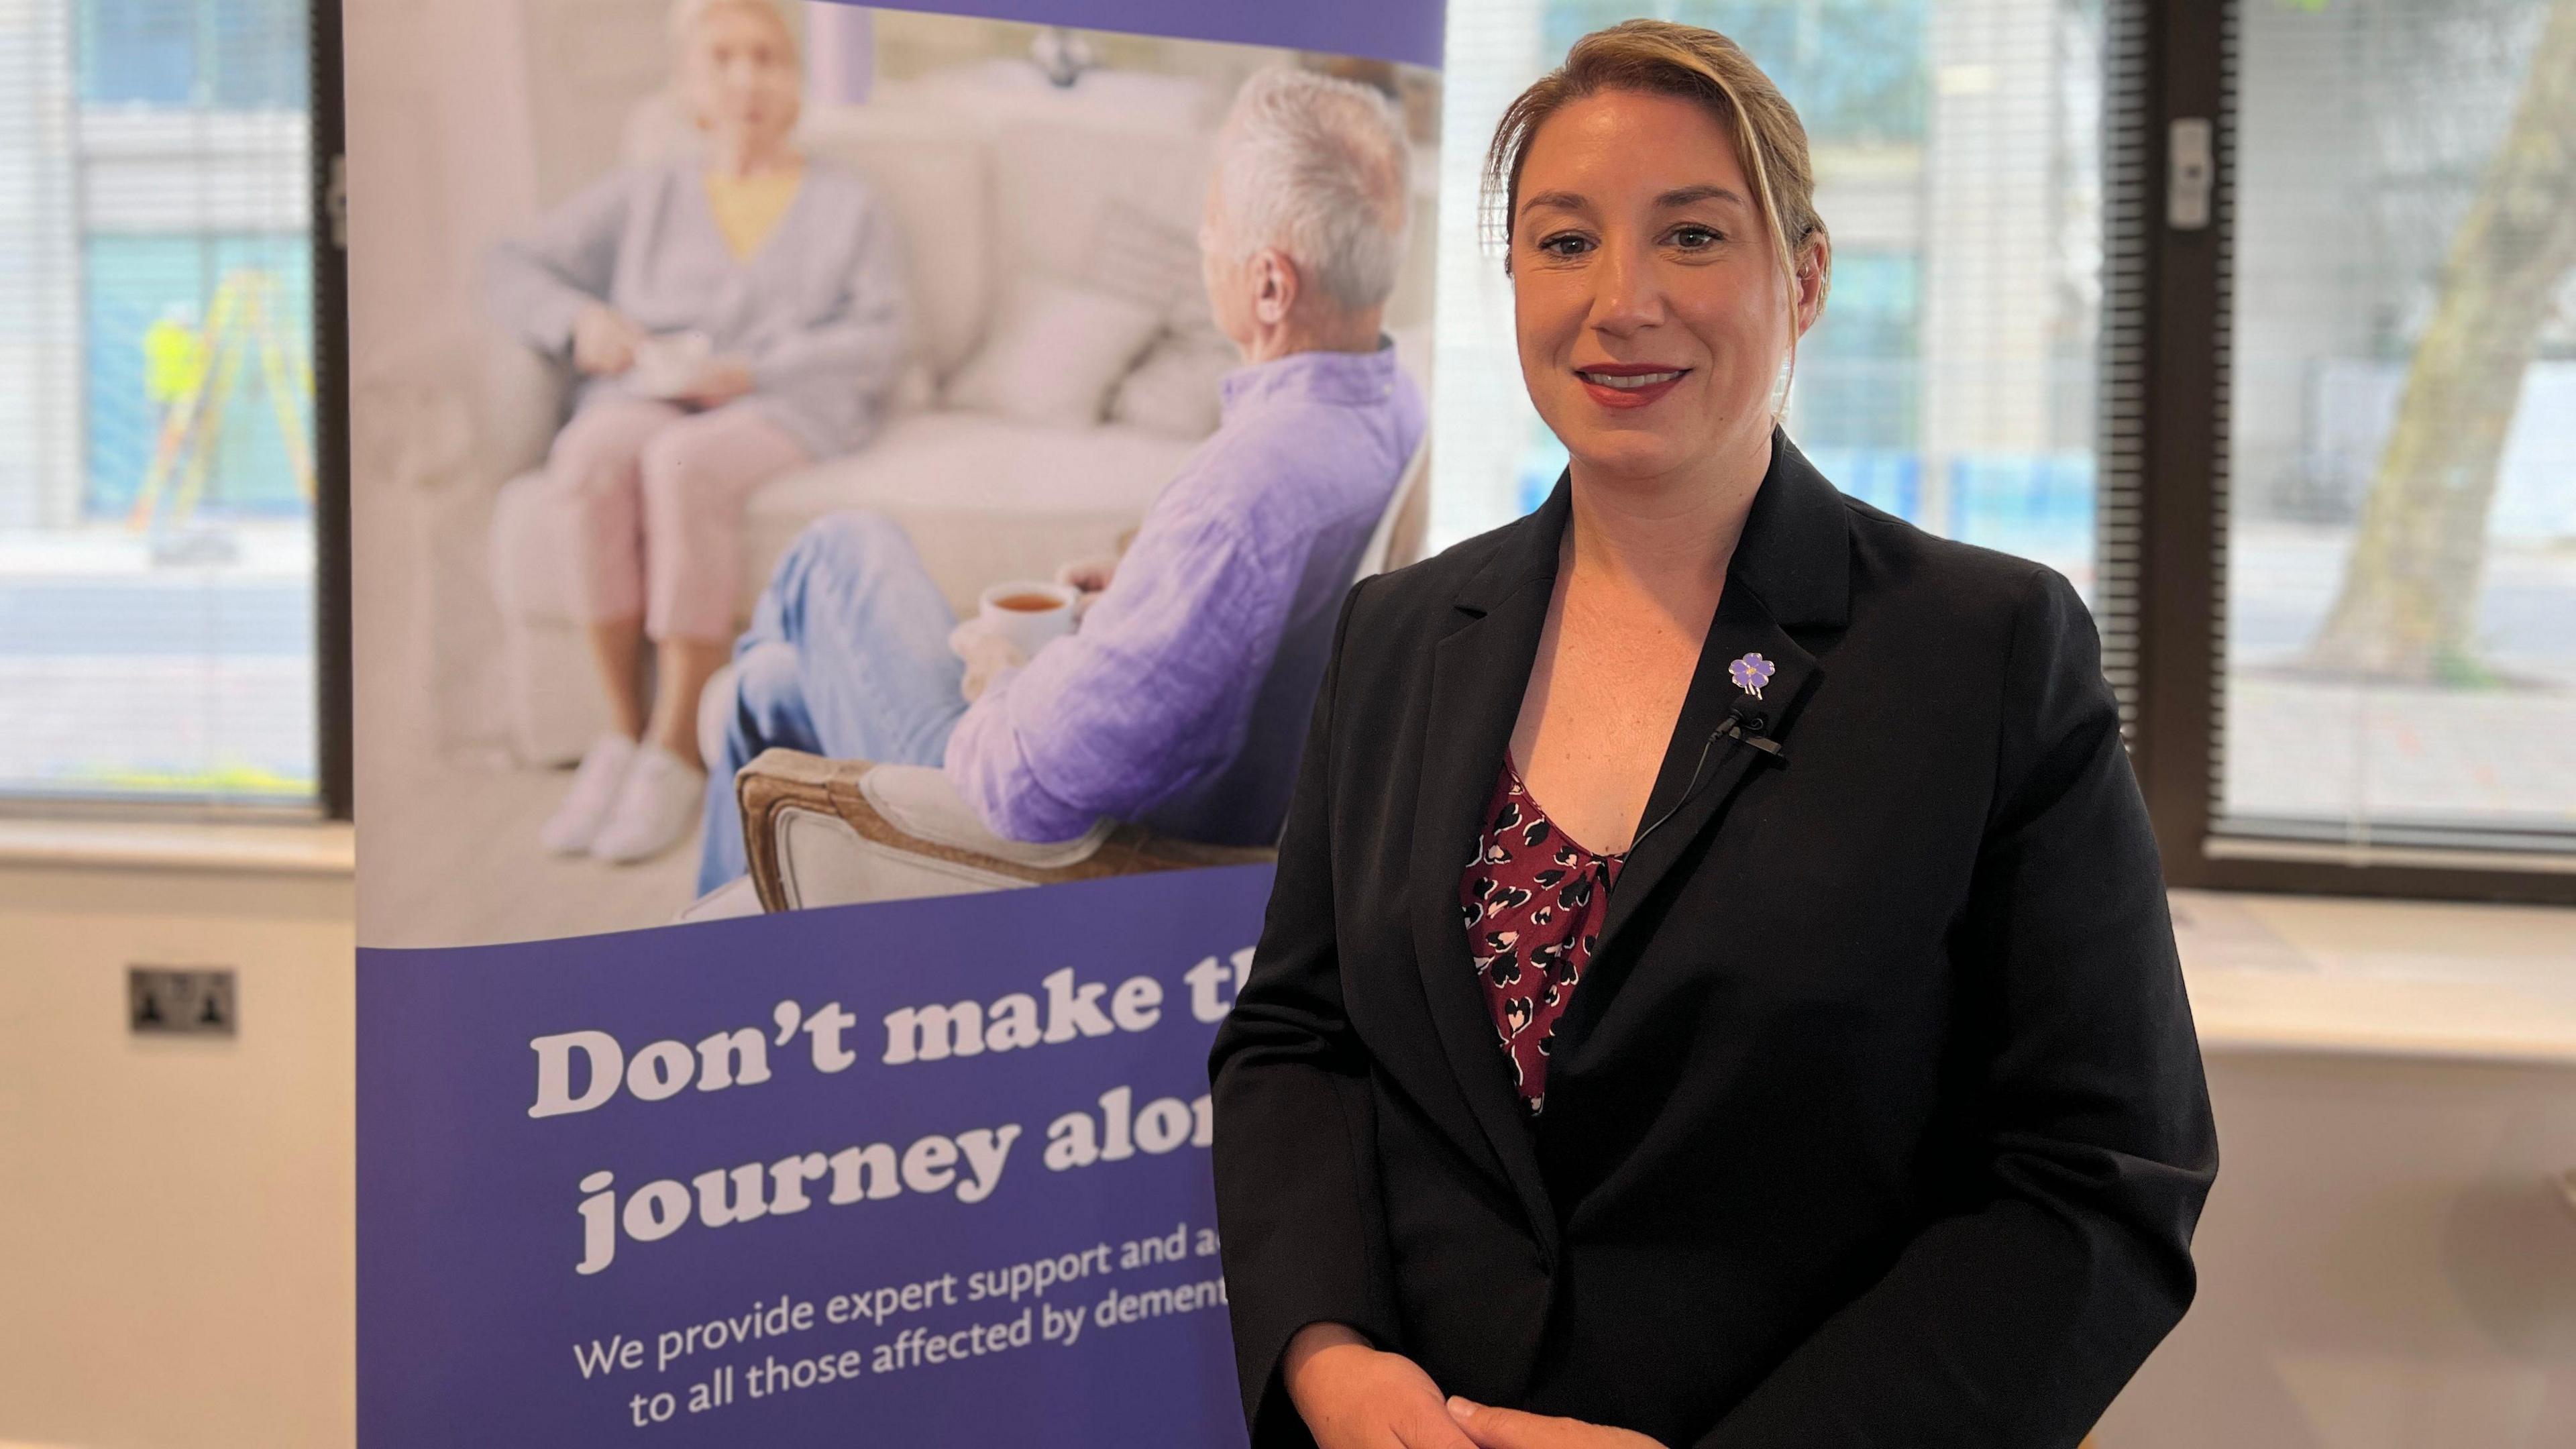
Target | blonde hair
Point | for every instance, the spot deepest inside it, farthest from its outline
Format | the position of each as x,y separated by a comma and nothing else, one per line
685,15
1660,57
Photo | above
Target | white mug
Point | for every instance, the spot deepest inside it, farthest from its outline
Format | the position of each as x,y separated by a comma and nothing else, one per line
667,364
1029,614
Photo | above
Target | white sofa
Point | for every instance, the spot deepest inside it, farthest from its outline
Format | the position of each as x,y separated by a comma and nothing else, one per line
986,189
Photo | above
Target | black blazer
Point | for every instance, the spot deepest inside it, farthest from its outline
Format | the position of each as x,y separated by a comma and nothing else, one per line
1878,1119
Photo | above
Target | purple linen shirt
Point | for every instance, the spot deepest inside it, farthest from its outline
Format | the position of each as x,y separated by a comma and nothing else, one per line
1182,701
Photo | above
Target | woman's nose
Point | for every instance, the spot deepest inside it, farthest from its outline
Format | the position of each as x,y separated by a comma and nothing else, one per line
1626,293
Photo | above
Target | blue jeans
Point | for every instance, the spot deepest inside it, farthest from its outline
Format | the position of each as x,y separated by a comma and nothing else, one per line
848,657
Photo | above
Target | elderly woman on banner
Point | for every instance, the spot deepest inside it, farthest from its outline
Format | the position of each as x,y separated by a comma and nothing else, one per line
1180,700
734,313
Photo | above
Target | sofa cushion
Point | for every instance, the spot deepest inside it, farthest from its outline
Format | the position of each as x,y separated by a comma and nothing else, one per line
1178,389
1053,353
982,498
934,178
1053,184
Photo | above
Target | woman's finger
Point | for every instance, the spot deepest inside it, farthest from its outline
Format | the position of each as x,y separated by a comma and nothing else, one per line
1431,1429
1491,1428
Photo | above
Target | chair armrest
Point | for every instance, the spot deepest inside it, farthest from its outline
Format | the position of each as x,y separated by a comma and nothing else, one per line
521,395
471,406
911,812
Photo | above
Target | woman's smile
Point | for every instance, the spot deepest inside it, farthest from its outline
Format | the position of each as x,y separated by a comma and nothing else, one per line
1628,385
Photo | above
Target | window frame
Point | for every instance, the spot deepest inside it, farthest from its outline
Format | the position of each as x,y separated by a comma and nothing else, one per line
332,800
334,688
2175,612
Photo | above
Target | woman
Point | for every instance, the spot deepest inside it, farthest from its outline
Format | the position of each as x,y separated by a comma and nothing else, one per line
1717,989
787,274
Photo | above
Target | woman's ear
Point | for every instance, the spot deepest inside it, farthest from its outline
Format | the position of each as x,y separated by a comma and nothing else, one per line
1815,264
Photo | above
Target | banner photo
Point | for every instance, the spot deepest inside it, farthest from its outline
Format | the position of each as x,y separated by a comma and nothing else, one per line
851,507
899,1174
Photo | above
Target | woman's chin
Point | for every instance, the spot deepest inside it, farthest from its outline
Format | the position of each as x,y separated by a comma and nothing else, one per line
1615,455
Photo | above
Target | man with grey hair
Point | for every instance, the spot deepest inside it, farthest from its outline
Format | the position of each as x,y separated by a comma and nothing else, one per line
1181,699
1311,170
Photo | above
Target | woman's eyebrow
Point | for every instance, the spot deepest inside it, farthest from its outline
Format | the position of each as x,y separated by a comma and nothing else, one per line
1561,200
1688,195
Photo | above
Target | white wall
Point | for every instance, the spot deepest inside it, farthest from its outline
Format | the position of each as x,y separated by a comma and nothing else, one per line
177,1251
2388,1261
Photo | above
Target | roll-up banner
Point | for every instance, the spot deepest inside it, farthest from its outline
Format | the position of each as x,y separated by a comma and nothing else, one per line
852,507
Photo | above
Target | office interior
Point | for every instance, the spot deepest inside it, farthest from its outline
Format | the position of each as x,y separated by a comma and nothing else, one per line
2202,302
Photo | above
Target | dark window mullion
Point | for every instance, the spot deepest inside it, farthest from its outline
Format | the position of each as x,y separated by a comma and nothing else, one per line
332,684
2177,451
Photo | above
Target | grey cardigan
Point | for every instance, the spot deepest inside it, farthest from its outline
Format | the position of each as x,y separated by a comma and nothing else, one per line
819,312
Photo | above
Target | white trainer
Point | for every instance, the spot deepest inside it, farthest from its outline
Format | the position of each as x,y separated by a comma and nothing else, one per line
585,806
656,808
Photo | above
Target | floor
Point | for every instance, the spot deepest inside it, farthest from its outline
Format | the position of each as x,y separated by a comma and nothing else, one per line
471,873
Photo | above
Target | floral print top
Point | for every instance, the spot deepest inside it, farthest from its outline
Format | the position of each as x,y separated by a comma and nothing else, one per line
1533,900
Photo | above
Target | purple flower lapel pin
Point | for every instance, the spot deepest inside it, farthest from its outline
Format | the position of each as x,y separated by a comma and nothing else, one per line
1750,673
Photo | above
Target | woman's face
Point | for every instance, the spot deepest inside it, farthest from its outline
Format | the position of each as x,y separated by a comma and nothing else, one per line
739,74
1653,318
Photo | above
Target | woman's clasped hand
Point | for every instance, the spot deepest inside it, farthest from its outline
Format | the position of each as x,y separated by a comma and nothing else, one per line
604,340
1354,1395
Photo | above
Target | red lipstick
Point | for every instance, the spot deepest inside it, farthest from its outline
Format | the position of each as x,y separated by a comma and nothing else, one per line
1628,384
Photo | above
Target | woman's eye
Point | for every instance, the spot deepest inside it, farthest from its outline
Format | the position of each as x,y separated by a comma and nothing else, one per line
1695,238
1565,244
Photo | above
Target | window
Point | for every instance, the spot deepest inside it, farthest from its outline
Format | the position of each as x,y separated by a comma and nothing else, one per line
1956,145
2400,609
159,474
2312,459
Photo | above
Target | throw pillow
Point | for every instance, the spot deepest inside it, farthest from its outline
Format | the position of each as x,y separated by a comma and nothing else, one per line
1176,389
1142,256
1053,354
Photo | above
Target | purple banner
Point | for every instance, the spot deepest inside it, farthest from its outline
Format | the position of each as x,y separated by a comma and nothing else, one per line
1405,30
928,1172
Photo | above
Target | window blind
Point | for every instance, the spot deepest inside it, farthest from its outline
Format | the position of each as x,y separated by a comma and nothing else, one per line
157,474
2397,377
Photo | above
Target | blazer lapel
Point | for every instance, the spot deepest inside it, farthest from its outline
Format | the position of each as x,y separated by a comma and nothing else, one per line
1743,697
1479,672
1792,569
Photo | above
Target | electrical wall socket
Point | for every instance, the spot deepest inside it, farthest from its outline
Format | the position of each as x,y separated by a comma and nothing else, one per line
187,1000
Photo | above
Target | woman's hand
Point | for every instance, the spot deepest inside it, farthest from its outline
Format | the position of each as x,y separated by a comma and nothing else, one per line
604,340
1512,1429
719,382
1352,1396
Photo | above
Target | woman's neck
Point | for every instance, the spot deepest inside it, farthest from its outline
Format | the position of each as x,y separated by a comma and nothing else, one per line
1669,537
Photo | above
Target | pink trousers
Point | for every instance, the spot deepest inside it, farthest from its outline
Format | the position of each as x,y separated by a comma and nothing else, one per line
661,491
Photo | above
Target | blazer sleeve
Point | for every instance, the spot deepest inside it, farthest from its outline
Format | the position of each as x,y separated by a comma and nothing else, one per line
2015,1320
1296,1192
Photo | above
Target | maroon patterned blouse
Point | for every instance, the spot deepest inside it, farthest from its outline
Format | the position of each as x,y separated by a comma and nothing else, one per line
1533,900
